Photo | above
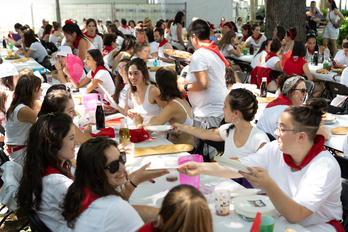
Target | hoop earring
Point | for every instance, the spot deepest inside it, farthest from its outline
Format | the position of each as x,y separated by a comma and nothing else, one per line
236,122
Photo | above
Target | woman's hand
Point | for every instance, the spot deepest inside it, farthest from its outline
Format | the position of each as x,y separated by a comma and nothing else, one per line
143,175
137,119
58,65
258,177
88,129
131,113
190,169
177,127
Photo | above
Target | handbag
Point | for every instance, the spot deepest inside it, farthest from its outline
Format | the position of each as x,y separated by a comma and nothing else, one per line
334,25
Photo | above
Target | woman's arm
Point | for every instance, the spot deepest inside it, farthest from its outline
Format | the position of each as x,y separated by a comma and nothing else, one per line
154,94
28,53
179,32
83,46
61,75
307,72
337,12
81,83
246,44
27,114
235,52
279,66
211,134
93,84
80,136
211,169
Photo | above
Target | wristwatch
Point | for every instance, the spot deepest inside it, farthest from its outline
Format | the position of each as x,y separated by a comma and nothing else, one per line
185,87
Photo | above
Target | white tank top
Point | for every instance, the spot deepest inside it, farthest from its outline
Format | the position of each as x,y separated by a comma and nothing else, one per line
332,17
91,46
189,121
16,131
309,56
147,110
173,31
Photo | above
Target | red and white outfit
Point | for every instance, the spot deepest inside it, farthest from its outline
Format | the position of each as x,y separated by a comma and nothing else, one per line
161,48
294,65
316,186
107,56
125,29
40,32
103,75
97,41
271,60
270,115
252,40
175,40
257,61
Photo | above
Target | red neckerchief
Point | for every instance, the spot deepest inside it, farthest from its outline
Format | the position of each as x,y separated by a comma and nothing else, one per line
260,35
96,71
123,84
221,25
318,147
291,36
280,100
125,27
107,50
42,27
337,225
311,52
53,31
77,41
148,227
141,40
89,197
215,49
43,35
167,30
270,55
244,38
90,36
164,41
51,170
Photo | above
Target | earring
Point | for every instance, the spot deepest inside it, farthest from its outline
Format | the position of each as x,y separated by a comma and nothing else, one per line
236,122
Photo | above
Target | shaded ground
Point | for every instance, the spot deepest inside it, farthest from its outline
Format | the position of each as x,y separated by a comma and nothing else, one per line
14,221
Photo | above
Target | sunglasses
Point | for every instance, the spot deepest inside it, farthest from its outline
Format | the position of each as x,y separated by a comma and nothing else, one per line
303,91
114,165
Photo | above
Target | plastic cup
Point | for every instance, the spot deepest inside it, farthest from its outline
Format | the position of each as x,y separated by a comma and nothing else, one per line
222,199
325,65
328,68
173,175
11,46
267,224
190,180
117,126
92,118
245,51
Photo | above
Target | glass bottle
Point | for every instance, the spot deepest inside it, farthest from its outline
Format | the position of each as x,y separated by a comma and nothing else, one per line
124,135
100,117
263,87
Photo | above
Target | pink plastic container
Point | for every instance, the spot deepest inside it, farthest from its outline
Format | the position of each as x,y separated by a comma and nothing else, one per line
191,180
90,101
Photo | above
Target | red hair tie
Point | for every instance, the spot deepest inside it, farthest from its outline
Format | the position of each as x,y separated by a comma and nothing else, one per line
245,27
228,24
68,21
291,36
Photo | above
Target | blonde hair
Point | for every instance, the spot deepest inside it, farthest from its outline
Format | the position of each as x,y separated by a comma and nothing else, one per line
185,209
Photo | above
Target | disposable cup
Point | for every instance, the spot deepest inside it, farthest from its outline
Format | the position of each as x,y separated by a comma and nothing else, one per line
172,176
222,199
245,51
91,115
267,224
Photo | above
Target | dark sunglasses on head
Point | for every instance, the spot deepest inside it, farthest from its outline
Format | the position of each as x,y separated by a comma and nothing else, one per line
114,165
303,91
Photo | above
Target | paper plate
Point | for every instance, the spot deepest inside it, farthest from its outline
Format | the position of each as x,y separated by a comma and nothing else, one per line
232,164
171,168
75,66
248,206
158,128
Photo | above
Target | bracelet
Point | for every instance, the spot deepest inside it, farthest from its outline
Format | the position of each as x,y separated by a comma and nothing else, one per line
132,184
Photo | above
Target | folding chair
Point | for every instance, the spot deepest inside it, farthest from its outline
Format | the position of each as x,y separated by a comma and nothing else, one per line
243,77
310,87
335,88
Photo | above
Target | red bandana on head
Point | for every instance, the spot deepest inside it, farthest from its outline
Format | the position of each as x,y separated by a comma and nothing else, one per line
90,36
291,36
216,50
164,41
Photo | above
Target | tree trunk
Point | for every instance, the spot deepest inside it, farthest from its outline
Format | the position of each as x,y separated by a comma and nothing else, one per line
252,11
322,4
287,13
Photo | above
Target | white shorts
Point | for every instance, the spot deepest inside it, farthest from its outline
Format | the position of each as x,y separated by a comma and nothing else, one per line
331,32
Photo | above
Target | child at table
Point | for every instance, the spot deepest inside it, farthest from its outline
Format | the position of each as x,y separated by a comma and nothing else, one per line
225,45
301,178
184,208
20,116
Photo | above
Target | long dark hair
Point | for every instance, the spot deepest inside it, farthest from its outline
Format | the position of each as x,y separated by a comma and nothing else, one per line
70,28
44,141
23,93
127,44
248,28
308,118
178,17
185,208
55,101
7,82
244,101
91,20
115,30
48,29
3,99
280,32
98,57
263,46
29,38
333,4
166,80
119,82
89,173
141,66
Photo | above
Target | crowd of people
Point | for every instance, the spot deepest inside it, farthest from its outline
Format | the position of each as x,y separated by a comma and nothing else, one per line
202,104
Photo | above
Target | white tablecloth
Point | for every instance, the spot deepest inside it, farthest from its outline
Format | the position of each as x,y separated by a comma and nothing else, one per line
322,77
149,64
336,141
30,64
245,58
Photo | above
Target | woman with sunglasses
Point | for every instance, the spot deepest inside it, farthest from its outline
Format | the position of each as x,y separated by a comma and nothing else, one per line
301,178
94,201
298,66
293,92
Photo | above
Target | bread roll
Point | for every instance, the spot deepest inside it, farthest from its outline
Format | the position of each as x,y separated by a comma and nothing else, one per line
339,130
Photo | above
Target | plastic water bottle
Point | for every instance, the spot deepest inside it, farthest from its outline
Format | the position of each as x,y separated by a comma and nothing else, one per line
326,55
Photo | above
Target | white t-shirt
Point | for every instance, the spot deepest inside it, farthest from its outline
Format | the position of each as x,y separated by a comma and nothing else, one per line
344,77
40,32
271,63
54,188
255,139
250,40
153,47
317,186
345,146
256,61
119,40
124,31
226,49
340,58
209,102
269,118
108,214
39,51
98,43
107,82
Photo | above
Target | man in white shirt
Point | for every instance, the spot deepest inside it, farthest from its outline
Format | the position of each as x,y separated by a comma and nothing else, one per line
205,81
341,57
124,28
101,28
42,28
163,44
